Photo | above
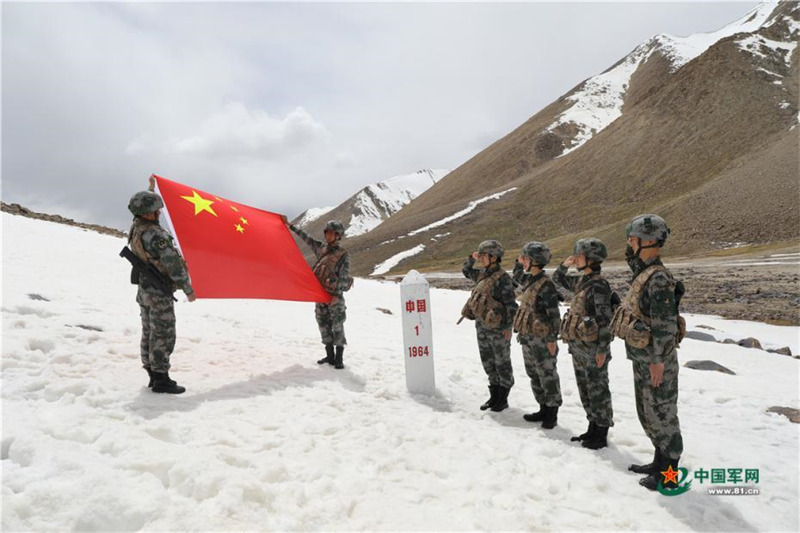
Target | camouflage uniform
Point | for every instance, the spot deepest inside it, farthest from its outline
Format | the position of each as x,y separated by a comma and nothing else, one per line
657,407
539,364
156,308
495,350
592,381
330,317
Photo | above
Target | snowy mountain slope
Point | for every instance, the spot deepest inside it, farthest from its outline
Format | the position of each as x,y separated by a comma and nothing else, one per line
264,439
309,215
373,204
667,127
599,101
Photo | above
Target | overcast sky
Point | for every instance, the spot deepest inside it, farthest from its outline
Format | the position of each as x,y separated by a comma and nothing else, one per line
287,106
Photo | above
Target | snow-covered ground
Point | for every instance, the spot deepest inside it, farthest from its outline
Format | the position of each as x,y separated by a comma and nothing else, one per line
264,439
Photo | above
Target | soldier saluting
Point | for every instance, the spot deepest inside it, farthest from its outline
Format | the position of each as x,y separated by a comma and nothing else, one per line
333,272
537,323
649,323
586,328
492,305
164,272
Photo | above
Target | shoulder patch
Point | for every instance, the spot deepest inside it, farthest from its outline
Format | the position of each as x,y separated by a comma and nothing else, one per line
161,243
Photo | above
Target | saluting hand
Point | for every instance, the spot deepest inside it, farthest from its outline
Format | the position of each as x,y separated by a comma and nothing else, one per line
600,358
552,348
474,255
191,297
656,374
507,334
569,261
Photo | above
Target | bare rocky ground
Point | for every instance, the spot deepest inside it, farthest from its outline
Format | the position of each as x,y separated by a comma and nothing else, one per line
763,289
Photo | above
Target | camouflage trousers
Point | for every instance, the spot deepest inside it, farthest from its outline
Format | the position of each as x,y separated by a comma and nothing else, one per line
541,368
593,387
330,319
657,407
495,353
158,328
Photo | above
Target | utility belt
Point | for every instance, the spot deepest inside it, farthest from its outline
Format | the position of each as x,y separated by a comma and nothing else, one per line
579,328
635,330
527,322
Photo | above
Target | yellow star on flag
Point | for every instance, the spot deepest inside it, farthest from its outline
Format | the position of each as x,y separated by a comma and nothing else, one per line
234,208
200,203
670,475
239,228
244,221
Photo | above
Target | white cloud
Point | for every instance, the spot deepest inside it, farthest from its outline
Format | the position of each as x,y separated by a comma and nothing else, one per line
236,130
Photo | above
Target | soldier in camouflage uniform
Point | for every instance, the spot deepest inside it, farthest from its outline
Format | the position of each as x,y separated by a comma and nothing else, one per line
492,305
586,328
333,272
153,244
537,323
649,323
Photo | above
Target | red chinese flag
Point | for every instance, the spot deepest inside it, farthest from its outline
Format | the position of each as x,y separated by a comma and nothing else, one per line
236,251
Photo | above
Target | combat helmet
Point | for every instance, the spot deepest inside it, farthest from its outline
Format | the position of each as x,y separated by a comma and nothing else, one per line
648,228
594,249
144,202
336,227
491,247
539,253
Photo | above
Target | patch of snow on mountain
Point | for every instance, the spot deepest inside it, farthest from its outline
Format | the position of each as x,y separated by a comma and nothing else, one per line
472,205
313,214
766,48
599,100
377,202
393,261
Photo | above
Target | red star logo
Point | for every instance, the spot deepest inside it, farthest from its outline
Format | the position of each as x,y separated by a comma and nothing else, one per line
670,475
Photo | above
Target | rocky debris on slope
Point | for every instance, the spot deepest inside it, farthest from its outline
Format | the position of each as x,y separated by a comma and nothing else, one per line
792,414
709,365
16,209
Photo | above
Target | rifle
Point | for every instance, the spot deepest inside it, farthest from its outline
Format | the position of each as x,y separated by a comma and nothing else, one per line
148,272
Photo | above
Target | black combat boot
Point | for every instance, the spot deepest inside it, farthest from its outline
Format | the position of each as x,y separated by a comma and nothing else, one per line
652,480
501,402
328,358
550,417
337,359
149,373
598,439
648,468
162,383
588,434
538,416
492,398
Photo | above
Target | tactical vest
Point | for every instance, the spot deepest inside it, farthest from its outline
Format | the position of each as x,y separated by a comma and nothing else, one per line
630,323
325,269
137,247
577,325
482,305
527,321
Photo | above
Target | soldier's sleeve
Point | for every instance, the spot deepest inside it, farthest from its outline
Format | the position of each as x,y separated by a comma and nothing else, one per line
518,274
342,274
603,313
663,316
315,245
547,305
568,282
504,292
468,271
159,245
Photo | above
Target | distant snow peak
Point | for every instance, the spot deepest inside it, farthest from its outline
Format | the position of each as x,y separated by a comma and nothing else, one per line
313,214
375,203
